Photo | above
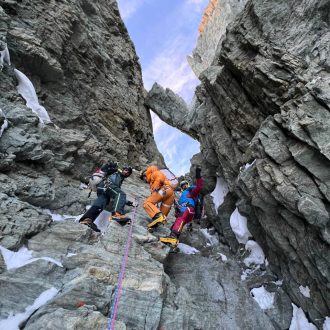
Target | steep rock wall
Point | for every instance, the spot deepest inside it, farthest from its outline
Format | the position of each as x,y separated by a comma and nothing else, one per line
265,102
86,74
217,16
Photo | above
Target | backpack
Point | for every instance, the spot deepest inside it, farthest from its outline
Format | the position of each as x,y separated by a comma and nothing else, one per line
97,177
170,177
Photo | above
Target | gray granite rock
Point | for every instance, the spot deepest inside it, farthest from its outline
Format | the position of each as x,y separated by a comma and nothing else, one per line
266,98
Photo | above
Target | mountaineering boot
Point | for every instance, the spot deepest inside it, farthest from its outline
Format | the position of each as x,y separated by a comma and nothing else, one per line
89,222
121,218
89,217
172,241
157,219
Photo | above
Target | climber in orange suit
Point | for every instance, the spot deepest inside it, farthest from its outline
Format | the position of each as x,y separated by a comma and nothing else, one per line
161,192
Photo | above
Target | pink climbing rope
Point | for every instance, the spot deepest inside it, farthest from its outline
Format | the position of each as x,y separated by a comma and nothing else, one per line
112,319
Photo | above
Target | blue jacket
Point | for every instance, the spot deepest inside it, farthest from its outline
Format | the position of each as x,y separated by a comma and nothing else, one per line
189,196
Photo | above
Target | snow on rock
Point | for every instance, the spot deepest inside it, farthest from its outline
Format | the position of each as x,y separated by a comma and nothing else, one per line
238,224
213,240
14,321
219,193
305,291
59,217
4,57
264,298
21,258
27,91
187,249
247,166
223,257
326,324
4,125
257,256
299,320
71,254
246,273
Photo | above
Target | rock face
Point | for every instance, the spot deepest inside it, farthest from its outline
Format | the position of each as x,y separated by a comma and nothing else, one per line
265,101
83,269
86,74
217,16
87,274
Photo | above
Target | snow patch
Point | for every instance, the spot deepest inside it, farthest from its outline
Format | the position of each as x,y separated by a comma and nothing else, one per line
21,258
223,257
4,125
299,320
219,193
4,57
187,249
264,298
59,217
248,165
278,282
213,240
326,324
27,91
305,291
256,257
238,224
71,254
14,321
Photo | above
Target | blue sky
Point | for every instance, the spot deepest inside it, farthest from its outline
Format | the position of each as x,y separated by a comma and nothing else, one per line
164,32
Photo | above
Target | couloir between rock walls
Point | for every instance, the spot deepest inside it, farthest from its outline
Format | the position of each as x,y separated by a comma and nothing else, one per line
86,73
264,101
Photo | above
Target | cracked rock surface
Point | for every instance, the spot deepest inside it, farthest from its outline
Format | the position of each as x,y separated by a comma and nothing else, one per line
264,101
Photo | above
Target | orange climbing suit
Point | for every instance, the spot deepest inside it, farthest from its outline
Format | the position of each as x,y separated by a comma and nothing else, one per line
161,192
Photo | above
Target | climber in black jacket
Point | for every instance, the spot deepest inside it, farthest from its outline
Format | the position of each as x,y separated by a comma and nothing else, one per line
109,188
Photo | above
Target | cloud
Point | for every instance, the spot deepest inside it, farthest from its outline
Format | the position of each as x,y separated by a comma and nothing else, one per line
171,69
129,7
176,147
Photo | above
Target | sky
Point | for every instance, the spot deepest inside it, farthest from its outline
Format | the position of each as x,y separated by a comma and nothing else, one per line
164,33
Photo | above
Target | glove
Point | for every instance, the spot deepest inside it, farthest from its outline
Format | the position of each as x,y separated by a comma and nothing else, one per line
130,203
198,173
109,168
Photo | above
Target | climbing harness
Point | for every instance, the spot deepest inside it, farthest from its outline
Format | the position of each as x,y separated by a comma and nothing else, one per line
114,307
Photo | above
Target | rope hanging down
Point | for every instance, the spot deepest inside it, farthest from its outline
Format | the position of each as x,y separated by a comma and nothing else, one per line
114,308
